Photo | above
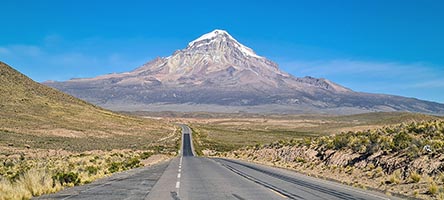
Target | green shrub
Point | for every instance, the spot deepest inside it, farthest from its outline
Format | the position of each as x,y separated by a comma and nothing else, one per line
299,160
114,167
92,170
145,155
401,141
132,163
65,178
341,141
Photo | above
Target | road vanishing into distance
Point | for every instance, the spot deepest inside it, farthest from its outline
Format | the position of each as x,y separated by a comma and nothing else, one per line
188,177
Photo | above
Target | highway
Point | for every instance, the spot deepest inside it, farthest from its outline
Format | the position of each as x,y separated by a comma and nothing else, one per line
188,177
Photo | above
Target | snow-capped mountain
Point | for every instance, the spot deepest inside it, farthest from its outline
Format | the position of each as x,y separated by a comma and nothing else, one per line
217,73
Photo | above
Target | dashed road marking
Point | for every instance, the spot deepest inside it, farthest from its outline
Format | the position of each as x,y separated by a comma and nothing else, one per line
178,184
178,176
278,193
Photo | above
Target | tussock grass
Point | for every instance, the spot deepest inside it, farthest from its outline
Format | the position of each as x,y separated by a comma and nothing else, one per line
433,188
24,178
34,182
395,178
415,177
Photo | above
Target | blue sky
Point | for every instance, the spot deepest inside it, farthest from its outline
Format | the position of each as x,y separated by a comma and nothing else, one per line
379,46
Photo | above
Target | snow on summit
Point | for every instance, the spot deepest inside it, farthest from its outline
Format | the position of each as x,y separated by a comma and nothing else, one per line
209,36
223,34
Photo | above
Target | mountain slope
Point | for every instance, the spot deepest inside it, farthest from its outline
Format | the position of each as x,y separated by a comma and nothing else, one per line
30,108
217,73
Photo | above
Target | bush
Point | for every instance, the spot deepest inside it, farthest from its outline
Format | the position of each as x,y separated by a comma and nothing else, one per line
395,178
145,155
415,177
378,172
115,167
67,178
92,170
433,188
341,141
299,160
132,163
440,196
13,191
37,182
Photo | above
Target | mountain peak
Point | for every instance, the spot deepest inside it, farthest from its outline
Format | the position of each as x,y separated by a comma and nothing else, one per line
211,35
219,35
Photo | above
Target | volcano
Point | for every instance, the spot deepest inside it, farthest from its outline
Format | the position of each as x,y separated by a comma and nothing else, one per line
217,73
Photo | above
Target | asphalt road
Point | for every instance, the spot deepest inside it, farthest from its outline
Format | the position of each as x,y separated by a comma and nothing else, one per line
193,178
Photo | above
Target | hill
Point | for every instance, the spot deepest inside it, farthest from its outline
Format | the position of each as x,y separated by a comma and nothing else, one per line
38,116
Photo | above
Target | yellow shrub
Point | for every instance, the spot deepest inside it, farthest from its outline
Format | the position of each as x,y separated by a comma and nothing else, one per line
415,177
433,188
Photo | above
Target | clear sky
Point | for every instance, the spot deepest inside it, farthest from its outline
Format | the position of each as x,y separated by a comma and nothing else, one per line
380,46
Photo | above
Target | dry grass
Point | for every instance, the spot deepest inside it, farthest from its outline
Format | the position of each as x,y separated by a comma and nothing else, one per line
395,178
415,177
433,188
49,171
32,112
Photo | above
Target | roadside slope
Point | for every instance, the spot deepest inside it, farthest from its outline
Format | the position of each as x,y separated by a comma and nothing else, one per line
404,158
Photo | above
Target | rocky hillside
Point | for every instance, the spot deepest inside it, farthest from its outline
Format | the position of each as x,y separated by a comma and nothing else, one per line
217,73
405,159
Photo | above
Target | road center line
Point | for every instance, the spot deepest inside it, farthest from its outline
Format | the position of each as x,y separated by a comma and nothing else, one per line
178,175
177,184
278,193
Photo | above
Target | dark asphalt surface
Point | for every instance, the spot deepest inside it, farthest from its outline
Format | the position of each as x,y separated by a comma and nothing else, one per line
186,141
195,178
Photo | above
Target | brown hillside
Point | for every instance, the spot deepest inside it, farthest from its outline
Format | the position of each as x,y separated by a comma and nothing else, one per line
30,109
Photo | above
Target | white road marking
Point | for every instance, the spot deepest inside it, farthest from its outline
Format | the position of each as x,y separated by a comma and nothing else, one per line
278,193
177,184
178,176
